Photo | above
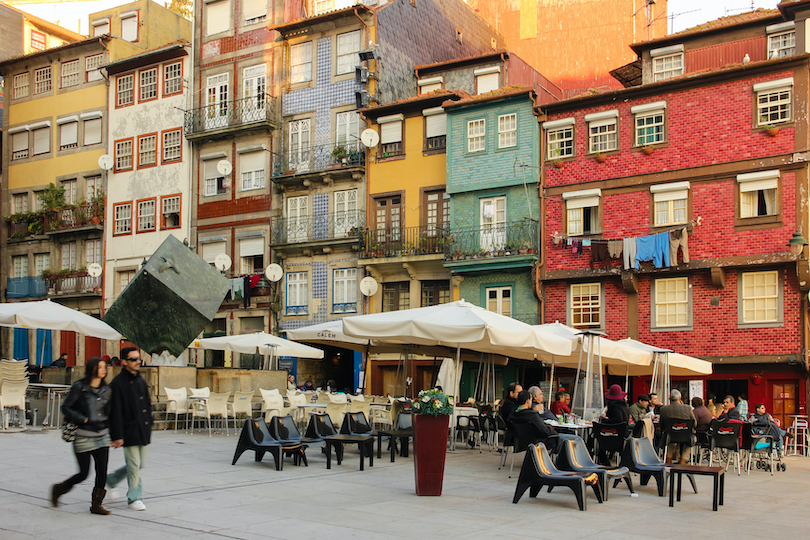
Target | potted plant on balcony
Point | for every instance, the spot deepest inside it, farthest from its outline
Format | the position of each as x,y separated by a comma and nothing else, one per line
771,130
557,158
339,157
600,157
431,422
647,149
97,207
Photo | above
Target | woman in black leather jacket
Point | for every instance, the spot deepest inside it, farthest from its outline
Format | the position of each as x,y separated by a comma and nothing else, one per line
88,405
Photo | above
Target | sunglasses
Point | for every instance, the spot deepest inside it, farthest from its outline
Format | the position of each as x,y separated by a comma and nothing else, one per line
138,359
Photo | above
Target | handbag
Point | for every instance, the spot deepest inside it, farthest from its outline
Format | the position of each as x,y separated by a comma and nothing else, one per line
69,431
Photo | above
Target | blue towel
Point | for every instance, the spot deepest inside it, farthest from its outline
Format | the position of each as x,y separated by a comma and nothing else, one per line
645,249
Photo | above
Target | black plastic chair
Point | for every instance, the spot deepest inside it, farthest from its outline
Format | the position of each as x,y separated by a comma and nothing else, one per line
508,439
283,428
538,471
355,424
403,430
574,457
526,435
255,437
678,431
726,436
639,457
320,427
609,440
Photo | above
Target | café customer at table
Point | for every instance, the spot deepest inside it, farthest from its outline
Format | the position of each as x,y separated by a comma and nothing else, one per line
560,405
730,412
677,410
703,417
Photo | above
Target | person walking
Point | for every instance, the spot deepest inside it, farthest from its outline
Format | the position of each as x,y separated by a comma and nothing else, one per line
88,406
130,425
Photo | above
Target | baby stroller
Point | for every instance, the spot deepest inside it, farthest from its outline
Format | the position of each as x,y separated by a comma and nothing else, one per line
762,449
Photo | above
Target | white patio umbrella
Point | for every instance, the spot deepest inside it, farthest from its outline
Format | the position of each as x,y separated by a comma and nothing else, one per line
258,343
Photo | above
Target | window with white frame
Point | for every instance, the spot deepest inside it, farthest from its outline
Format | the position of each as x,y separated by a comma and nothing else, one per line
666,67
758,193
774,101
124,94
254,11
42,262
129,26
20,264
70,73
171,145
39,41
391,134
760,297
649,121
251,253
20,203
217,17
297,295
582,211
68,132
344,290
477,135
101,27
170,212
93,187
487,79
92,65
123,155
430,85
19,144
435,128
586,305
211,249
124,277
42,80
92,128
71,188
92,252
499,300
781,39
146,215
148,86
21,85
559,138
147,151
214,183
68,251
42,139
38,204
507,130
301,63
173,78
670,203
671,302
603,133
348,45
347,129
252,167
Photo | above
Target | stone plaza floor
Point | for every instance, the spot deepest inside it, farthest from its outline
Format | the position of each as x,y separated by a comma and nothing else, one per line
192,490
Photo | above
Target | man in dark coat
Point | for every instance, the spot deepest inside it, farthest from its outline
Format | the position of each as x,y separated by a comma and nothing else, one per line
677,410
525,415
730,412
130,425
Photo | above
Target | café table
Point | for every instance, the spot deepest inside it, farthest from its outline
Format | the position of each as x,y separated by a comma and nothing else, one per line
459,411
53,401
365,443
717,473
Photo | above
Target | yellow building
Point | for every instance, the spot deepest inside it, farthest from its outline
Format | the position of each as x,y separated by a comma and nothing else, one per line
54,125
24,33
143,23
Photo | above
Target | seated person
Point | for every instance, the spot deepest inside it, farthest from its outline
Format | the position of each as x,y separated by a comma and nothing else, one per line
308,386
617,410
679,453
639,409
560,405
525,415
638,413
764,423
538,405
702,415
60,362
730,412
655,403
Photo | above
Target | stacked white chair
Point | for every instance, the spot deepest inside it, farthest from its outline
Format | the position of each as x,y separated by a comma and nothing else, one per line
13,387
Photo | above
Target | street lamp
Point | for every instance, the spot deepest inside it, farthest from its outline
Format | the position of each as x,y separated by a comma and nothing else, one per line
796,244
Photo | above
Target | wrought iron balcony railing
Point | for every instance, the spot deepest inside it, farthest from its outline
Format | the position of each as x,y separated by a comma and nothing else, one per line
74,284
402,241
25,225
336,226
528,318
72,217
309,159
504,240
26,287
231,114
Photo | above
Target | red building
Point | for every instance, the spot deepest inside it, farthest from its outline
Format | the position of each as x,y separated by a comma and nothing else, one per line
707,141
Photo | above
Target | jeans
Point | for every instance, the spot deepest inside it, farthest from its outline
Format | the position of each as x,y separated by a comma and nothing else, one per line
134,457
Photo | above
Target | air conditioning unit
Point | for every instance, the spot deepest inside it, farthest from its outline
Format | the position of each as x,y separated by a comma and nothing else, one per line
368,54
361,99
361,74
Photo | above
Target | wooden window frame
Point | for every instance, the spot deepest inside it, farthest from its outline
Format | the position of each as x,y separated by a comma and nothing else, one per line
156,150
163,226
163,160
131,156
141,72
131,213
134,90
163,67
138,203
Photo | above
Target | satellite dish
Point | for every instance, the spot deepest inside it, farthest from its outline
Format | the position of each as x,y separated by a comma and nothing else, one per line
273,272
224,167
370,138
222,262
94,269
105,161
368,286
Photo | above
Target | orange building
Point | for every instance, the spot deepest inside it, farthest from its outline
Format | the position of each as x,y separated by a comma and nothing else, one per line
575,43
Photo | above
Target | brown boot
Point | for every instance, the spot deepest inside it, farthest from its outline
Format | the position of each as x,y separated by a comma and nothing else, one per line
98,497
57,490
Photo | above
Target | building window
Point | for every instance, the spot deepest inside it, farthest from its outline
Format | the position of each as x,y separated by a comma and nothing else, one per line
487,79
42,262
301,62
252,167
42,140
42,80
93,187
148,86
210,250
68,133
476,135
92,65
146,215
172,78
20,203
348,45
297,293
499,300
92,130
39,41
507,130
172,141
92,252
670,203
666,67
129,26
586,305
147,151
347,129
68,256
123,155
391,135
71,191
170,212
124,277
101,27
435,128
344,290
582,211
435,292
649,123
603,133
559,138
124,95
19,145
70,73
20,264
251,252
774,101
760,298
217,17
783,44
437,212
254,11
396,296
672,299
759,194
214,181
21,85
432,84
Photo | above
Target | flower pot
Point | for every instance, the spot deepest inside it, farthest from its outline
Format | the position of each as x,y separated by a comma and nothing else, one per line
559,164
648,149
757,380
772,132
600,158
429,452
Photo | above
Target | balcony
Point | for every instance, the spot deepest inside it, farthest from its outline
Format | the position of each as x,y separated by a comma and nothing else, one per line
74,284
339,226
496,247
220,119
25,226
26,287
333,160
404,241
74,218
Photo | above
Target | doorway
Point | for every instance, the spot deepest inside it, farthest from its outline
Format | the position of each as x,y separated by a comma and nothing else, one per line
785,401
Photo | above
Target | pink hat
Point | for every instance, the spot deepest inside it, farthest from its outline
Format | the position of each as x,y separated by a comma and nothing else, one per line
615,392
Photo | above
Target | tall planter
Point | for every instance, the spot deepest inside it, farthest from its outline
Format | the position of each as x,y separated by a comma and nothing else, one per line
430,448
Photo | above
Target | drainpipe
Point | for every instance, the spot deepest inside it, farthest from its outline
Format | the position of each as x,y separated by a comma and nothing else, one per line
356,14
540,192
